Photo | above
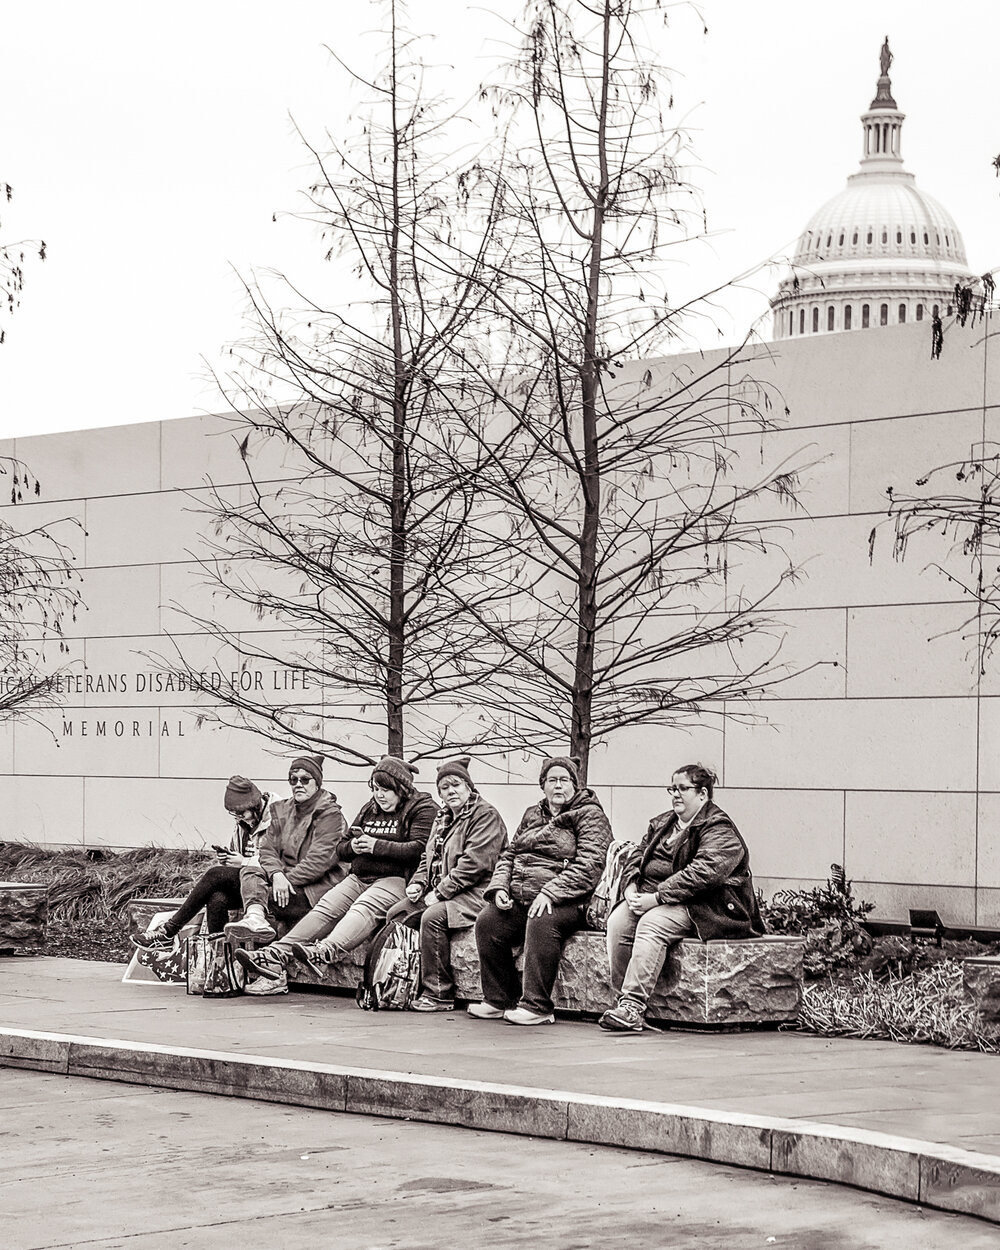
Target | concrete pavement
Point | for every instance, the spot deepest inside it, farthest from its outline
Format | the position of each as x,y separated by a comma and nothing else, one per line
106,1165
908,1121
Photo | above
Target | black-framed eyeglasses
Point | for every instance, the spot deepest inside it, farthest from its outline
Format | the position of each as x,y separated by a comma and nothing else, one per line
295,779
679,789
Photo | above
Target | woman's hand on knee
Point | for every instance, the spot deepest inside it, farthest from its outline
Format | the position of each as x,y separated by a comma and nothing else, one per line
503,900
541,905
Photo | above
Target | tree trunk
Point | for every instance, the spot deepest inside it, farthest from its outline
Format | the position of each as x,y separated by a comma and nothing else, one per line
395,644
586,632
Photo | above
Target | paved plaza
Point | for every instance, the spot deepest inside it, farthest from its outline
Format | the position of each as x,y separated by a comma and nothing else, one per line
127,1166
907,1121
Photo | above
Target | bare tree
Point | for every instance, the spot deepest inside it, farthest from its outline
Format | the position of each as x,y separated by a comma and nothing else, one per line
354,559
12,258
624,484
39,594
959,507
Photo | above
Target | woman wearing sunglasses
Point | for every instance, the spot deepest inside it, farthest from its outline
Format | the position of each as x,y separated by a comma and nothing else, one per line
689,876
298,860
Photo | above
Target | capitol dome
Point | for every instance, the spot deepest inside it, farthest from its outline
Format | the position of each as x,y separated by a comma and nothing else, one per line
881,252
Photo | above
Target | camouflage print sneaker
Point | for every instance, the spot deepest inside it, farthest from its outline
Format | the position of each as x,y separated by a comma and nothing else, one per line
315,955
627,1017
268,962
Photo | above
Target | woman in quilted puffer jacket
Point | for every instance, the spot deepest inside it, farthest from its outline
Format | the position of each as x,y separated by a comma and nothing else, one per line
537,894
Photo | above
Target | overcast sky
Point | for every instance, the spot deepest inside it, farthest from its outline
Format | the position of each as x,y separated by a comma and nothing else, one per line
150,145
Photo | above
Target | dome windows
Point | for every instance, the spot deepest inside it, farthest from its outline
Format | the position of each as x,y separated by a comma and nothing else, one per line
847,316
865,316
869,237
920,312
883,315
902,314
815,321
830,315
854,240
899,237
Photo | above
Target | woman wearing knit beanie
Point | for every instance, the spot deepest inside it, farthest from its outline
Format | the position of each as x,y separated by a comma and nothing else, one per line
218,889
298,860
447,891
536,896
382,848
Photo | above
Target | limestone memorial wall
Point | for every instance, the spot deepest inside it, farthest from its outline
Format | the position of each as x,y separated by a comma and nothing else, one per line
882,754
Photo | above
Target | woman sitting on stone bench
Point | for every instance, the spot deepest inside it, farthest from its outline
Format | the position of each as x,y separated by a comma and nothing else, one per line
383,847
690,875
537,894
218,889
447,891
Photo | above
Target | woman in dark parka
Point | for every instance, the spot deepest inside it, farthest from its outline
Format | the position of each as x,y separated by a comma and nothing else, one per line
689,875
536,897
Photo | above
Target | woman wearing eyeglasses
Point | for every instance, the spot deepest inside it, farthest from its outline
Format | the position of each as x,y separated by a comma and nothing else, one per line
536,896
689,876
297,861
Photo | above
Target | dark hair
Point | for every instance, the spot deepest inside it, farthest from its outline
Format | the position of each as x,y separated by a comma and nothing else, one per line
700,776
386,781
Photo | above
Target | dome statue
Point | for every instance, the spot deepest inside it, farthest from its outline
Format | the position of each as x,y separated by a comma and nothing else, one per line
882,252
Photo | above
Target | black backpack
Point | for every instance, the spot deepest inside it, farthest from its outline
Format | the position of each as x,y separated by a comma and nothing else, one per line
391,977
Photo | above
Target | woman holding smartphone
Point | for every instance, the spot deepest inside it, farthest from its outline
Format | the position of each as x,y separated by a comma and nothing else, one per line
383,848
218,889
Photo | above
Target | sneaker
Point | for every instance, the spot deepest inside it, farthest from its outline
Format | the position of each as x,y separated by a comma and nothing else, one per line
267,962
425,1003
627,1017
252,928
315,955
521,1015
485,1011
157,940
264,989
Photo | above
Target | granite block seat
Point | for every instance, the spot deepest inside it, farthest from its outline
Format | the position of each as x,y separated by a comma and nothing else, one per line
24,910
710,984
755,982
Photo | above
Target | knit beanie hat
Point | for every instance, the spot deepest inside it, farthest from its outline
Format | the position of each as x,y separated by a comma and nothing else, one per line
311,764
456,768
241,794
570,762
396,768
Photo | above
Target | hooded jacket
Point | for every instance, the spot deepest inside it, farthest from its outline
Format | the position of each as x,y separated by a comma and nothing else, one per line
560,856
461,854
302,842
708,871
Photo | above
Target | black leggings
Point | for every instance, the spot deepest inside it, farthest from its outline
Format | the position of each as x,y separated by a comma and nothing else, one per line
218,891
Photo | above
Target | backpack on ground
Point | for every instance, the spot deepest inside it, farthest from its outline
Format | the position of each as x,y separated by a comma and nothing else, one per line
391,977
212,971
608,889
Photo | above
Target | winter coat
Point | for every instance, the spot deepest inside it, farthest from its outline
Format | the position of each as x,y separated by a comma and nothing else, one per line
461,853
560,856
708,872
397,852
302,843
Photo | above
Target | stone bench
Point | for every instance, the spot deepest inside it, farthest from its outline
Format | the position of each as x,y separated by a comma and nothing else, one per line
24,909
749,983
709,984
